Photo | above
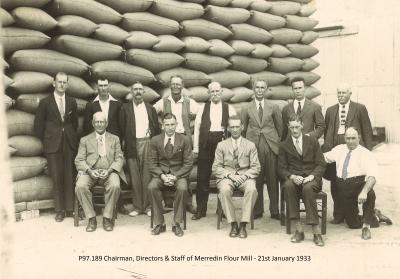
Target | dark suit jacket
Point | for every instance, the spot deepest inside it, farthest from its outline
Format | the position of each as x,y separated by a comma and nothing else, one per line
88,154
49,127
311,162
270,127
181,162
128,128
113,117
357,117
311,114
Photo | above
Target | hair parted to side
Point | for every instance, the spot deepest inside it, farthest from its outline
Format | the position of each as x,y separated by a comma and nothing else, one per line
254,82
168,116
351,128
61,74
176,76
234,117
295,117
296,79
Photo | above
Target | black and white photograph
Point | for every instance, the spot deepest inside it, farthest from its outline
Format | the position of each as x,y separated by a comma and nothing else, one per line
154,139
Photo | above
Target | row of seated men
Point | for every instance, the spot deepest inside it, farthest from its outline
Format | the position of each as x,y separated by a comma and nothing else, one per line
148,153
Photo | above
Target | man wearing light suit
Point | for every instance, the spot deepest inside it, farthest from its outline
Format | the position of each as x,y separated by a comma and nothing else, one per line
262,122
338,118
236,167
309,112
99,161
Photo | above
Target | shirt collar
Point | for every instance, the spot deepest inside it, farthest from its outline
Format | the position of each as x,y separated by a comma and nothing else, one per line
239,140
58,96
346,106
172,139
100,136
300,139
301,102
172,100
259,102
110,98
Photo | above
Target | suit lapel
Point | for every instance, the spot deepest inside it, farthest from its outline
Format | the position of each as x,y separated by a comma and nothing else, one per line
177,143
92,141
161,145
291,147
304,108
350,114
54,107
108,144
254,111
241,147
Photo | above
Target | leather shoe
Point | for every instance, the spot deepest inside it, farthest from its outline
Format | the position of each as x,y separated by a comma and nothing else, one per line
177,230
108,224
122,210
318,240
242,230
92,225
158,229
297,237
275,216
366,233
69,214
258,216
234,230
382,218
60,215
81,214
336,221
191,209
196,216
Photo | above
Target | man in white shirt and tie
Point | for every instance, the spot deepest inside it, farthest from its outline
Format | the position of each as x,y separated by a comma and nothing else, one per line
99,162
210,128
139,124
356,170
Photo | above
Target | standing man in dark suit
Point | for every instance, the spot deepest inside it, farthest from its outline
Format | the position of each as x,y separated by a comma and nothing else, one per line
56,124
171,161
139,123
301,166
309,112
108,105
338,118
209,129
262,122
99,161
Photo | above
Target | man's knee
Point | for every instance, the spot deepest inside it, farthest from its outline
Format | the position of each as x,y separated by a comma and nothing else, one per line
289,185
154,184
81,185
224,187
250,186
181,185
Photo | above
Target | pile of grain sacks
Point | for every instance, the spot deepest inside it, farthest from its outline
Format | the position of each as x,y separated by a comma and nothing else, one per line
229,41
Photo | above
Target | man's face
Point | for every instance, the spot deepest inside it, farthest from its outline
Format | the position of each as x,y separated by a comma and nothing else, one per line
343,95
102,88
138,91
60,84
215,91
260,87
235,128
352,139
176,85
99,124
295,128
298,90
169,126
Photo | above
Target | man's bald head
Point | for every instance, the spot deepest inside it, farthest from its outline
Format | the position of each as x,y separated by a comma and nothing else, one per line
215,91
343,93
352,138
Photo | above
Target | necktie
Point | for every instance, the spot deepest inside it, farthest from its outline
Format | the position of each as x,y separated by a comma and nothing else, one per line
101,147
236,155
61,108
260,111
298,147
169,148
343,116
298,109
346,165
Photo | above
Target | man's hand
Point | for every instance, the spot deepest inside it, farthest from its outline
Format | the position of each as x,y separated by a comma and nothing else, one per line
297,179
308,178
168,179
236,179
362,197
94,174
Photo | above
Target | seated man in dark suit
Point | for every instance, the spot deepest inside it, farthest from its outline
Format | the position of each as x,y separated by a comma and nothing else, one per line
99,161
170,163
356,171
301,166
236,167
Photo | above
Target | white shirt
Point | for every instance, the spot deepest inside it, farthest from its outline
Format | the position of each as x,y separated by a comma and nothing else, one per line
258,104
300,142
362,161
141,120
343,110
215,118
172,139
103,138
105,105
236,143
296,104
176,109
58,99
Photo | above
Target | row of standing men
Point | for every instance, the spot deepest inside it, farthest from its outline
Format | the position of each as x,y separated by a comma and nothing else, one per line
135,122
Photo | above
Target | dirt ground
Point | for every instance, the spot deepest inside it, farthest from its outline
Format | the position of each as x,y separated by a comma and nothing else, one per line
46,249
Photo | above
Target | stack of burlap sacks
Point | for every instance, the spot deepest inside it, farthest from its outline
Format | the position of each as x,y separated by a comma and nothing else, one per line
229,41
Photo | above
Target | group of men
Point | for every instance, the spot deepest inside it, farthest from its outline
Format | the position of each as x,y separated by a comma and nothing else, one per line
260,146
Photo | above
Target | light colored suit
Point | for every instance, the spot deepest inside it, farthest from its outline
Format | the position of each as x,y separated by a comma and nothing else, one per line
265,134
247,164
87,158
